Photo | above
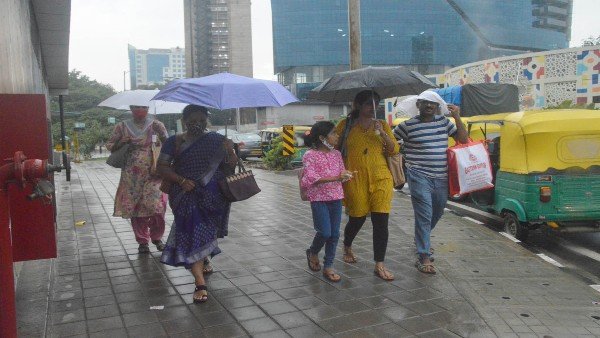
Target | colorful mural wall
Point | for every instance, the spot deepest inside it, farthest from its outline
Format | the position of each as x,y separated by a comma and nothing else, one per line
544,79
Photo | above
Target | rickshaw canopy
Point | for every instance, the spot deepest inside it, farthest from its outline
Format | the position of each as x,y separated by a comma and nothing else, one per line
538,141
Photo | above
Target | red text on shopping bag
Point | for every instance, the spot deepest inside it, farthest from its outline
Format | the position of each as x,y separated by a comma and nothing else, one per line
469,168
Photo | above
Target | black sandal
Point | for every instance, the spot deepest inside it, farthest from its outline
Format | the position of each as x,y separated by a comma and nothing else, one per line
311,264
204,297
160,246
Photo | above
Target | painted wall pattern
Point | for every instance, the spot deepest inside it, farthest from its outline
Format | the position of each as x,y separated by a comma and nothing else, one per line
588,68
492,72
544,79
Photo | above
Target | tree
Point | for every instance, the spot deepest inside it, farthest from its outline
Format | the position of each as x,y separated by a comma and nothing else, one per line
592,41
82,106
84,93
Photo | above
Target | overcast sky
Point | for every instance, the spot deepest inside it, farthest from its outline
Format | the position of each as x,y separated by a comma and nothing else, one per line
101,30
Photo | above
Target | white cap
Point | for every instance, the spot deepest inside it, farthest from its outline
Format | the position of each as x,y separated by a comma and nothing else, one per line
432,96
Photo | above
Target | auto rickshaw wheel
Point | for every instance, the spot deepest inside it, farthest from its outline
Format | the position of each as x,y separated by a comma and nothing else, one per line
514,227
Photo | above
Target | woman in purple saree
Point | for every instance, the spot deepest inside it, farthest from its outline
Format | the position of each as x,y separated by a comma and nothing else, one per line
194,162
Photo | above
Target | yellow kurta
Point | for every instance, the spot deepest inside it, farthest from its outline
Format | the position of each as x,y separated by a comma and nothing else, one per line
371,189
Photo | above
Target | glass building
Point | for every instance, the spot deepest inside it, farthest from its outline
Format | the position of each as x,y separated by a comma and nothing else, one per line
155,66
310,37
218,37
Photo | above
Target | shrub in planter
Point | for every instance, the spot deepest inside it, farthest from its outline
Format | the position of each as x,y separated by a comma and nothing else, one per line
274,159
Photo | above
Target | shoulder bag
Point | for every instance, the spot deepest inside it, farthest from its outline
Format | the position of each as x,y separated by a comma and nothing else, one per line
240,186
394,163
118,158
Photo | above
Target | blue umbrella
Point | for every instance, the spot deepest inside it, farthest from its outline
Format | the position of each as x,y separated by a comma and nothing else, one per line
226,91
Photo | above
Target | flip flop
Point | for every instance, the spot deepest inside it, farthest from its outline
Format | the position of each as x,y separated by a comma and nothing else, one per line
204,297
381,272
332,276
160,246
349,256
312,265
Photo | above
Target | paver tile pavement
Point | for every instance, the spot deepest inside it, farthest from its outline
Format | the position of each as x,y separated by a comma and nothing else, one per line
485,286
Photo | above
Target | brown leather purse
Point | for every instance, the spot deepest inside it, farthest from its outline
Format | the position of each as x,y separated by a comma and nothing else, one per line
240,186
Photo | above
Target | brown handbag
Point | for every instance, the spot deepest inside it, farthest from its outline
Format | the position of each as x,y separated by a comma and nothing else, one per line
394,163
240,186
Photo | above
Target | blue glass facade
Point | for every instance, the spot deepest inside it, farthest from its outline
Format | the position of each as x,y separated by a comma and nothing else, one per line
435,34
156,63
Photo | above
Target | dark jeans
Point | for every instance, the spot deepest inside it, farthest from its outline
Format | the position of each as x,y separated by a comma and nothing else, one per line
326,218
380,232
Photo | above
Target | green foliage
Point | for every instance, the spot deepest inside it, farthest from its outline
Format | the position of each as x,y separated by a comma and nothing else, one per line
568,104
81,105
274,159
84,93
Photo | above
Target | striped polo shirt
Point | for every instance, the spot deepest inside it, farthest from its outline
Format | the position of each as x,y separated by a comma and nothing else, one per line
425,144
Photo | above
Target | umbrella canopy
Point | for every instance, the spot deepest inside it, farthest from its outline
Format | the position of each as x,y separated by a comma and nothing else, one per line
140,97
128,98
386,81
226,91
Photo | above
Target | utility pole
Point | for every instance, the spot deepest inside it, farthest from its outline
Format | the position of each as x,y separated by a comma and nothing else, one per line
124,72
354,34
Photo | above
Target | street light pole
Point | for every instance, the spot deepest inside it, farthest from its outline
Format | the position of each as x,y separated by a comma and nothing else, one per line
125,72
354,34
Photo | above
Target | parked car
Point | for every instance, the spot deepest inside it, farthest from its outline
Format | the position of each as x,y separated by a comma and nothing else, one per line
230,132
248,145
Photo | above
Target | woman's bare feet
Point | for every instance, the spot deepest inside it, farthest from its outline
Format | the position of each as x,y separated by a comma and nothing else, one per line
349,256
382,272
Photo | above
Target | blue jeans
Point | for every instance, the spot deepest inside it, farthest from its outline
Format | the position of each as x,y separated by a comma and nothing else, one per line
326,218
429,196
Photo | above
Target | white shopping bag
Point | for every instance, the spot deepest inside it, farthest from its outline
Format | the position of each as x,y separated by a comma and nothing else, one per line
469,168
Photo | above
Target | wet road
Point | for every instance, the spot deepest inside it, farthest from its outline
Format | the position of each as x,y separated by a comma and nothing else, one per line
578,253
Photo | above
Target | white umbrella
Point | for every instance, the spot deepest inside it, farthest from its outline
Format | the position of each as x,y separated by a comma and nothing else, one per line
142,97
165,107
408,107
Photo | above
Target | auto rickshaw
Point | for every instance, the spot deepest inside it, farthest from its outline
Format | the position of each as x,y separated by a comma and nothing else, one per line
546,168
268,135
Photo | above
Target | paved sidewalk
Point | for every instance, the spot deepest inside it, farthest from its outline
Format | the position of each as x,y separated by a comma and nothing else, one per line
486,285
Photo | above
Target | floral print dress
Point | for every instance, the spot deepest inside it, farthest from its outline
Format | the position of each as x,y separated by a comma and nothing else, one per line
138,194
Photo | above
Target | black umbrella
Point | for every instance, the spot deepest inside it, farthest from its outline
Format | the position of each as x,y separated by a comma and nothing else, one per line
386,81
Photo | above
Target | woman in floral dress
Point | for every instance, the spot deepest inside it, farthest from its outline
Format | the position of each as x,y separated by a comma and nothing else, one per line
138,196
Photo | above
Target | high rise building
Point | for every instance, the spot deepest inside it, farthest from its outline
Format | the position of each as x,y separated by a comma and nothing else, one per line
218,37
310,37
155,66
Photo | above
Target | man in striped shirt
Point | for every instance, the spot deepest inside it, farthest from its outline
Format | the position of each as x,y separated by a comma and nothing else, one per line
425,142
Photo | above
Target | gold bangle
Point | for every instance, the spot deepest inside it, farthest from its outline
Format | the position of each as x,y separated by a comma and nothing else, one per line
182,181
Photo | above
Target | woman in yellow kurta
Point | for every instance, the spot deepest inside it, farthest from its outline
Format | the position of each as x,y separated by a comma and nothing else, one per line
365,144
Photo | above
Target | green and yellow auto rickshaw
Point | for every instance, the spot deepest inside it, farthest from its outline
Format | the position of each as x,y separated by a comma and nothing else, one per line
546,167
